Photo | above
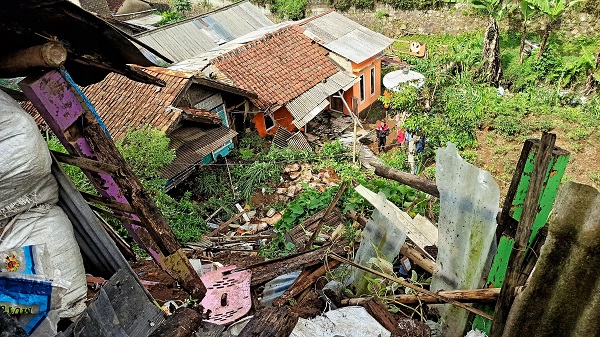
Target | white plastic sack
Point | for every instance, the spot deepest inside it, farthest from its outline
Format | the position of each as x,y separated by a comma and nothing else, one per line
25,179
49,225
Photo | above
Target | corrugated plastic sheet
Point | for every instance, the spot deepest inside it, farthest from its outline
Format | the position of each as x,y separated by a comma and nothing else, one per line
299,142
184,40
281,137
309,104
563,296
345,37
192,144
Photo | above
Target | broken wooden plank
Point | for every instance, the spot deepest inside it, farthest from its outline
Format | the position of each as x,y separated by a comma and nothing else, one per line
332,204
226,223
421,184
418,258
411,286
486,295
271,322
379,311
110,203
298,233
523,235
265,271
182,323
84,163
74,121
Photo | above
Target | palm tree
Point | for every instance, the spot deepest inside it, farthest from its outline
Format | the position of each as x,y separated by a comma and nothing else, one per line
492,63
553,9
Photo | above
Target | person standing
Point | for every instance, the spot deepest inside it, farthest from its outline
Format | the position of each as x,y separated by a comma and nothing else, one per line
383,131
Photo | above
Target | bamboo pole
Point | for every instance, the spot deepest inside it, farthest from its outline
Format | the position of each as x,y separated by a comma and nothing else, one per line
329,209
463,296
412,286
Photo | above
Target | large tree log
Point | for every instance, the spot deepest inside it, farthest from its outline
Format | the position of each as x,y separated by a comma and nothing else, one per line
421,184
48,55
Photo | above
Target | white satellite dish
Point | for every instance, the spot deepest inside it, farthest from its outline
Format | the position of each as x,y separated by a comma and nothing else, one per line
396,78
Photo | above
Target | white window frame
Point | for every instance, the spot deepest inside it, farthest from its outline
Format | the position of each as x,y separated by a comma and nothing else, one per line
362,88
373,72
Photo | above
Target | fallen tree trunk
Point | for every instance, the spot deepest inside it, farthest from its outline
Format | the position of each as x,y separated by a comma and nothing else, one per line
464,296
421,184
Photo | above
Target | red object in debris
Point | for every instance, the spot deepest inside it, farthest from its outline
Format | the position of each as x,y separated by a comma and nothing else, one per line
227,295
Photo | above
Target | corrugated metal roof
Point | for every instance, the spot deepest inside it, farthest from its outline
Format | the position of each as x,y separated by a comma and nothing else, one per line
202,61
309,104
191,144
345,37
186,39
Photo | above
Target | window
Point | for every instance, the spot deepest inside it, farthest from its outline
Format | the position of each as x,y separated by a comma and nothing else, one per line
269,122
362,88
372,81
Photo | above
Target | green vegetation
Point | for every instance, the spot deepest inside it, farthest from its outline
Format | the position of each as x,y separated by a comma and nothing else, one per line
290,9
179,9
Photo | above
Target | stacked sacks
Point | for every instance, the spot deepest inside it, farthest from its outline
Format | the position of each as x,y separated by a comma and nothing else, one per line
28,211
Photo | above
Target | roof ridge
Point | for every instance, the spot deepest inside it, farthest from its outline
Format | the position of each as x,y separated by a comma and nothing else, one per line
252,44
307,20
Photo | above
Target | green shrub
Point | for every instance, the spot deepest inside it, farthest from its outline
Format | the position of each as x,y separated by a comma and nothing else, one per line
396,158
169,18
250,178
146,151
364,4
291,9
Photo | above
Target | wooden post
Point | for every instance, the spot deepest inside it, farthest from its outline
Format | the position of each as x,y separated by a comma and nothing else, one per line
48,55
76,124
530,210
354,143
511,214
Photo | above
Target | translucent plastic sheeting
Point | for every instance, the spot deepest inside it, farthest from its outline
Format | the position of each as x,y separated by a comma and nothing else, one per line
469,203
382,237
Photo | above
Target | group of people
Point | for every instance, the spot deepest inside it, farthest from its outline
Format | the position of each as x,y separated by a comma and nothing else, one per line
414,140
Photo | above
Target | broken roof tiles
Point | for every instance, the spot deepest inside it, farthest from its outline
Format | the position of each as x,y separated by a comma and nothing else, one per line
279,67
124,104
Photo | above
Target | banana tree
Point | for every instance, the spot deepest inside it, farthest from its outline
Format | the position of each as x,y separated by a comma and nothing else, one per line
528,11
553,9
492,64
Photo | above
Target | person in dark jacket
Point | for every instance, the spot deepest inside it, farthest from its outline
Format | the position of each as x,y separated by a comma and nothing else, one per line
383,130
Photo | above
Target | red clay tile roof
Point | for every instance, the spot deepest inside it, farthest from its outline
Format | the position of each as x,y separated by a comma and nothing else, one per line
200,116
124,104
278,67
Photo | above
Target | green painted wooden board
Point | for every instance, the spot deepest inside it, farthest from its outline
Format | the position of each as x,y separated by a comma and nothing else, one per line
554,174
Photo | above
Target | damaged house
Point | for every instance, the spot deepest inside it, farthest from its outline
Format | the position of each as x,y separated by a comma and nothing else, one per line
299,70
291,74
191,112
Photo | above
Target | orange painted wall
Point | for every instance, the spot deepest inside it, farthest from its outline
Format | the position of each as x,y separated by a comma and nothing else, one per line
282,117
364,69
